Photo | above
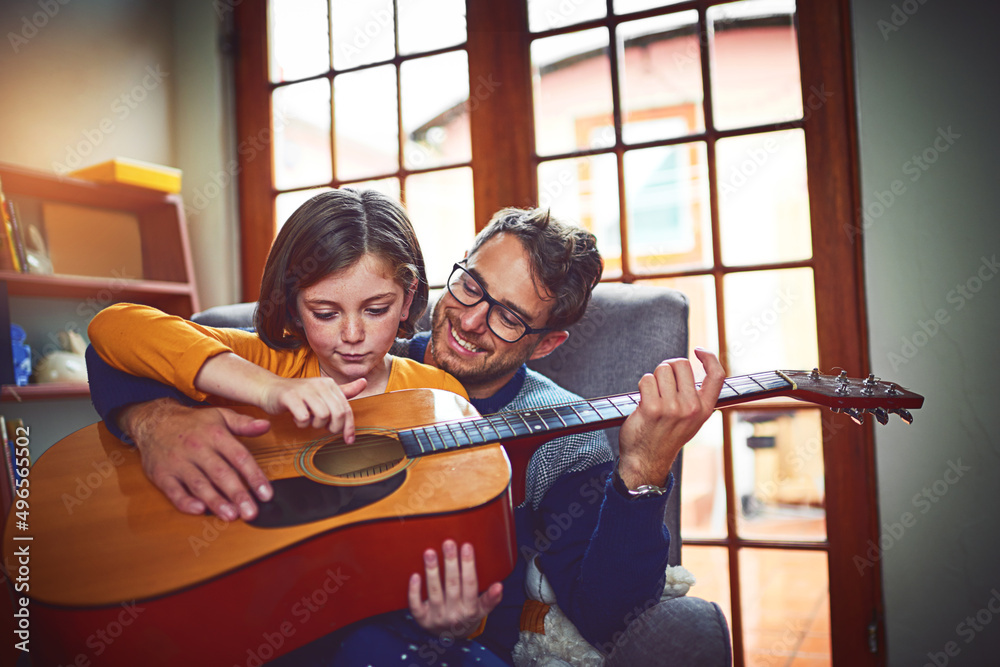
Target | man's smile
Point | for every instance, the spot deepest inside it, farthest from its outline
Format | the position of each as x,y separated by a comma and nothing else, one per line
461,342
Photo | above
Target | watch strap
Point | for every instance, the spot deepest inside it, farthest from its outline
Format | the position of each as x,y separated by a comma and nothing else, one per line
642,491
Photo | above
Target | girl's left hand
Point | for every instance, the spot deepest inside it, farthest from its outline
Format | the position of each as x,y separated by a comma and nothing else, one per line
456,610
317,402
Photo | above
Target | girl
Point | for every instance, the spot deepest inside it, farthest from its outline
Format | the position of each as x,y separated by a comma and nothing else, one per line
344,278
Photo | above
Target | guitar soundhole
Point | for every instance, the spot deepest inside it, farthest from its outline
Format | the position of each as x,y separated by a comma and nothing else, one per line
370,455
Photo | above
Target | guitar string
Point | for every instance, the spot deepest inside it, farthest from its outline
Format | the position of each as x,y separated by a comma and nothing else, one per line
294,449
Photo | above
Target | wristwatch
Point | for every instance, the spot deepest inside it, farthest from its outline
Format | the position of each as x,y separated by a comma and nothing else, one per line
642,491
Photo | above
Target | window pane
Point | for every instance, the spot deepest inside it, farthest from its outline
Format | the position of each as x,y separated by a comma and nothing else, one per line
584,191
426,25
302,134
703,322
710,567
778,474
660,77
627,6
367,128
286,203
770,321
755,63
763,198
669,219
435,95
362,32
299,40
786,607
703,487
387,186
572,92
441,208
548,14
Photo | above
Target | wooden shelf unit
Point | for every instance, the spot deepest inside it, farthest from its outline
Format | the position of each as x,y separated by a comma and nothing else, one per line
168,278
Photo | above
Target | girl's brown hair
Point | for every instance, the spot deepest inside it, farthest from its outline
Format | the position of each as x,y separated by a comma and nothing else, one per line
329,233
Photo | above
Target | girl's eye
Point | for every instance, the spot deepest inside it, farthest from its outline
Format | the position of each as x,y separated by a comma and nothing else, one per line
378,311
324,316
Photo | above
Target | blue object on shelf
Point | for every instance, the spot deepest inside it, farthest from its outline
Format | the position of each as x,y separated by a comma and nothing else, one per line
22,355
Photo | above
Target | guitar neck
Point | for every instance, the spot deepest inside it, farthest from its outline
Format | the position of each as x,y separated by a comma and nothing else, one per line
568,418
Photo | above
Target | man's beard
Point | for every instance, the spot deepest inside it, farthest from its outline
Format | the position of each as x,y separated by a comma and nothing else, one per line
471,373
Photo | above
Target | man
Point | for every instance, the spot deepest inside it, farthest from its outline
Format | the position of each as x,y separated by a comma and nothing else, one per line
525,280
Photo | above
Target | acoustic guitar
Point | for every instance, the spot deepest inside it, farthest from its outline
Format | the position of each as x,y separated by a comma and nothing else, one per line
111,574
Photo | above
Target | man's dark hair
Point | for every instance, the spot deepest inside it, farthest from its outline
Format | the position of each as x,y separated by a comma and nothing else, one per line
564,258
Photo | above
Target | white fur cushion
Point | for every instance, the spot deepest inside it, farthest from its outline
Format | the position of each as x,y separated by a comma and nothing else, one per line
562,643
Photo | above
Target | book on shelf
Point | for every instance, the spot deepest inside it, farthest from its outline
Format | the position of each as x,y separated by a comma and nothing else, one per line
8,482
13,240
6,347
126,171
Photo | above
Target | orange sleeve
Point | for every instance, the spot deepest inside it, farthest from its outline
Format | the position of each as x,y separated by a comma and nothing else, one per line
146,342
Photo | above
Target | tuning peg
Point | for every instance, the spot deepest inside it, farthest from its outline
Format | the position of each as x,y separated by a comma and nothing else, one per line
857,415
903,414
881,415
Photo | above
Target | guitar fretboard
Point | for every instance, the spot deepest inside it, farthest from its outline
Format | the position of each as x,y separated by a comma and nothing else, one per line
558,420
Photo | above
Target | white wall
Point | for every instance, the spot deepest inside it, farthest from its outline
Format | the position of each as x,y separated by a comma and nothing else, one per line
927,106
87,81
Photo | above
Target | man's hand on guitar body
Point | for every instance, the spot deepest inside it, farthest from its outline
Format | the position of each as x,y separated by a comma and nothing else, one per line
191,455
456,609
671,411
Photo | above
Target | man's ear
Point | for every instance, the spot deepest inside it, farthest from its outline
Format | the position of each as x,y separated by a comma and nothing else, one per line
549,342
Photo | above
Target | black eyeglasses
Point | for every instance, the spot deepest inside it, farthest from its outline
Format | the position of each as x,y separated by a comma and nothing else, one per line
502,321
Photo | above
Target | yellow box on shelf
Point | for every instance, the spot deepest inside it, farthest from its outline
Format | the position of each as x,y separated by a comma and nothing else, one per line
133,172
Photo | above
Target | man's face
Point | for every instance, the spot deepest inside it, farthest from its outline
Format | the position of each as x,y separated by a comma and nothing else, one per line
462,342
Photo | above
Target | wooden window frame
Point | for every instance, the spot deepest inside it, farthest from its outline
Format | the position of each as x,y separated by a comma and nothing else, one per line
498,45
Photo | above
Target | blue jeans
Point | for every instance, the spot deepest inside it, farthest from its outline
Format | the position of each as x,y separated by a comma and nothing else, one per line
389,640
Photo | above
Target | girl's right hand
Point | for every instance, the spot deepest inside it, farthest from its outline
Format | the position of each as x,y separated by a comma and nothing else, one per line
318,402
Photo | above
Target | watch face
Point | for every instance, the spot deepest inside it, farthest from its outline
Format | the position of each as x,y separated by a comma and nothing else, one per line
642,491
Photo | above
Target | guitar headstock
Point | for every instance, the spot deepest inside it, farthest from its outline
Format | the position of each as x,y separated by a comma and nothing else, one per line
854,396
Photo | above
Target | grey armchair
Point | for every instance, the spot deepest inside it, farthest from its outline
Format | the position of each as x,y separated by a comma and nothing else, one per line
627,331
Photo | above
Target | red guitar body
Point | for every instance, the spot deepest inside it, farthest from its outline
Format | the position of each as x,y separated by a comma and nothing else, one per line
119,577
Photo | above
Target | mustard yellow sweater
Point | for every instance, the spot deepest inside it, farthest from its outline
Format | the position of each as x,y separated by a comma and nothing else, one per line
146,342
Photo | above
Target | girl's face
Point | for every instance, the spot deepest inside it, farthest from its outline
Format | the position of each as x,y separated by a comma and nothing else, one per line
350,318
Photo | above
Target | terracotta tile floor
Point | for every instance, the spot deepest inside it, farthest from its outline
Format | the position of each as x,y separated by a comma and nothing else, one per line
785,600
